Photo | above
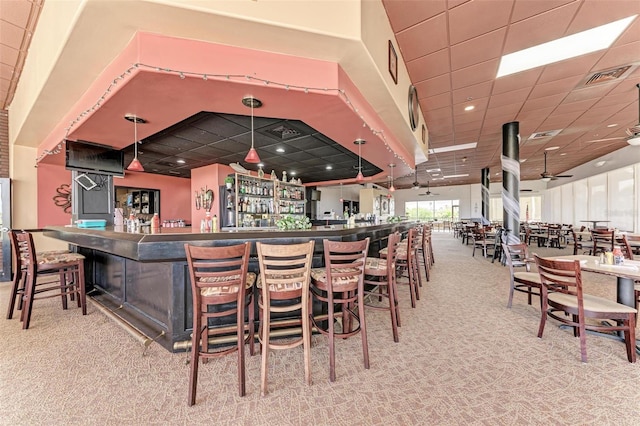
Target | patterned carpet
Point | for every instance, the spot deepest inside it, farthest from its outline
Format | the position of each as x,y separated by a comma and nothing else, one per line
463,358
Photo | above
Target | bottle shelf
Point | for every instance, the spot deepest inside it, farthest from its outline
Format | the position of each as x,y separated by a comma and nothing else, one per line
261,202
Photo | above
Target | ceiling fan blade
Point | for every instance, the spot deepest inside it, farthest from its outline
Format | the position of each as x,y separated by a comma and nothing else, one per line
564,176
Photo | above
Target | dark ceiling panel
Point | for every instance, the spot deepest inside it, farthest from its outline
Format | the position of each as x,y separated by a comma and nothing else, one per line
209,138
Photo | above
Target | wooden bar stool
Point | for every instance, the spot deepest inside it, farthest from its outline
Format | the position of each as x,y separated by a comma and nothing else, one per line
406,261
285,273
340,286
380,281
52,274
220,287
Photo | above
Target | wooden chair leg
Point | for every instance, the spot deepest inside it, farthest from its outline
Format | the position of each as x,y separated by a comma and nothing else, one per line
265,327
17,287
193,362
363,328
332,351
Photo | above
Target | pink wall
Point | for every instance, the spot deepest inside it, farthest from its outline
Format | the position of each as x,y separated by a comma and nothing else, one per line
210,177
50,178
175,193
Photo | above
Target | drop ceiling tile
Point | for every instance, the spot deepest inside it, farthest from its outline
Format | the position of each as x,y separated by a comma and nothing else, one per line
428,66
475,92
474,74
540,28
516,81
626,54
424,38
404,14
564,85
435,102
581,65
475,18
10,34
434,86
478,49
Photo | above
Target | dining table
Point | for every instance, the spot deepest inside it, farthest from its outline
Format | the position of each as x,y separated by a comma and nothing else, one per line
626,274
595,222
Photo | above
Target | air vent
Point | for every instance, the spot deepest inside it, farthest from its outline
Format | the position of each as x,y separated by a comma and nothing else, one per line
284,132
606,76
544,135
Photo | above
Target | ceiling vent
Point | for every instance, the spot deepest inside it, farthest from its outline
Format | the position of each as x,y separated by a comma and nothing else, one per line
544,135
283,132
606,76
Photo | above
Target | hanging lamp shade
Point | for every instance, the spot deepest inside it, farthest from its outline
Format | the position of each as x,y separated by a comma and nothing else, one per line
252,156
135,165
359,142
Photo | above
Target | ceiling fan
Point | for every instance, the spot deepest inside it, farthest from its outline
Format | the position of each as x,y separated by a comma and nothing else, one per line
416,185
546,176
633,133
429,193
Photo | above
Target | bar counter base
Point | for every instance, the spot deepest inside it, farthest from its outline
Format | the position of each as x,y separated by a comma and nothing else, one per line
142,280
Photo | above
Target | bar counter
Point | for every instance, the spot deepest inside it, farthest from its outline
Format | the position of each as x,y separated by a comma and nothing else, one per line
142,278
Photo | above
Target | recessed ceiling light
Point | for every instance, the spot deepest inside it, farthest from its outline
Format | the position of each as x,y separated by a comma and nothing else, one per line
600,163
293,173
436,174
279,149
456,176
581,43
612,125
329,167
433,170
453,148
469,108
552,148
260,164
523,160
180,161
563,153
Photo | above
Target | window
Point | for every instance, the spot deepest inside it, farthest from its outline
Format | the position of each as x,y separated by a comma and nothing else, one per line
432,210
530,209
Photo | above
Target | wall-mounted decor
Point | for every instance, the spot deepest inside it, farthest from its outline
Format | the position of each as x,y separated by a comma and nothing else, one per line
62,198
393,63
413,107
384,204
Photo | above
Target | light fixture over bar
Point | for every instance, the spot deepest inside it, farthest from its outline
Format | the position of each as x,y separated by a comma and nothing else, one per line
252,155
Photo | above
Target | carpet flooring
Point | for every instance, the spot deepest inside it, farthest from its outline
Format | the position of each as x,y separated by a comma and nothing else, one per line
463,358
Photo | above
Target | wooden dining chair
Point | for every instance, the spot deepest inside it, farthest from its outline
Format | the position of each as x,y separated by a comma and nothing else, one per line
285,274
339,286
525,281
221,286
603,240
563,300
42,275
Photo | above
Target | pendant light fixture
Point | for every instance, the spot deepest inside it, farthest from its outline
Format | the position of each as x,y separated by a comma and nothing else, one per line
359,142
252,155
135,165
391,187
